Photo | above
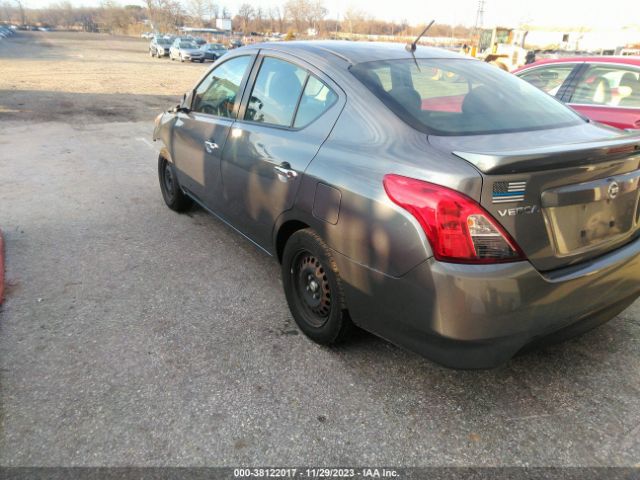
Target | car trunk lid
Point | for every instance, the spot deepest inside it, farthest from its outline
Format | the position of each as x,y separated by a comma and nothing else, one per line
563,198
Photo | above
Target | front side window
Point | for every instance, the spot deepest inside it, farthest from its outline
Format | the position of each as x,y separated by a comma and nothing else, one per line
461,97
606,85
548,79
218,94
276,92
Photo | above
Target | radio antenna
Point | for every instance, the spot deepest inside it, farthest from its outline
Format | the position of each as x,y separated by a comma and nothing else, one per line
411,47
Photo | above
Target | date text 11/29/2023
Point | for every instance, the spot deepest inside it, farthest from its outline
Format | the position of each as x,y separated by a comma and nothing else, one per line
315,473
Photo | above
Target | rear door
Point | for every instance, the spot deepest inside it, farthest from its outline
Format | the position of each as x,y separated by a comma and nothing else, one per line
608,93
199,135
288,114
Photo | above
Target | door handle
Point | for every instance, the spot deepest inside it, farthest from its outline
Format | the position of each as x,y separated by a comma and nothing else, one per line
210,146
285,172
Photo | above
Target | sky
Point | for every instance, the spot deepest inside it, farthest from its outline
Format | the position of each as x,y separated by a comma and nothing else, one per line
546,13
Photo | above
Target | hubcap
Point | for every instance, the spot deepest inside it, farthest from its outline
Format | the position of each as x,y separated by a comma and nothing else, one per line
312,287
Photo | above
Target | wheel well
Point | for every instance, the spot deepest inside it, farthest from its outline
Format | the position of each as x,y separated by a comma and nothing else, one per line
284,233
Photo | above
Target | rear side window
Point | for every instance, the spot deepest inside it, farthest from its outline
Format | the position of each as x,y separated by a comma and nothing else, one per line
461,97
608,85
218,92
316,99
276,92
548,79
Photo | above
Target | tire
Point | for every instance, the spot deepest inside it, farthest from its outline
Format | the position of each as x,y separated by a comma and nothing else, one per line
313,289
181,59
202,60
151,53
171,192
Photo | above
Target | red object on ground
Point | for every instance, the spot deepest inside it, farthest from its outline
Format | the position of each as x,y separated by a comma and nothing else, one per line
1,268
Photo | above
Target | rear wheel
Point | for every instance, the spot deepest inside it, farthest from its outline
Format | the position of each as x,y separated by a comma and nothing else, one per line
313,289
171,191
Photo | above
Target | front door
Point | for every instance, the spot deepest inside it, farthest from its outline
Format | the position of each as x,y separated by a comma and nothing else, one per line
200,134
283,123
609,93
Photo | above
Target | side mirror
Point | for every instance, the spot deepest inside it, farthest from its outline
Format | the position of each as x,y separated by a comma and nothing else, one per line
181,107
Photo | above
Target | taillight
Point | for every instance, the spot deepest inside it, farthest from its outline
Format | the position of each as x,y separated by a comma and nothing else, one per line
458,228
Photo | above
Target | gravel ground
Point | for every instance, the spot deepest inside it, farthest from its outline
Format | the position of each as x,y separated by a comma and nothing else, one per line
132,335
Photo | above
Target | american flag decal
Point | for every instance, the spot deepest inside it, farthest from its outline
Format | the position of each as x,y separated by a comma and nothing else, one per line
504,192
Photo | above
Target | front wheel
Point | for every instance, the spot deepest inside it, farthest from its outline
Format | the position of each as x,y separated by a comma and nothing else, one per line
170,188
181,59
313,289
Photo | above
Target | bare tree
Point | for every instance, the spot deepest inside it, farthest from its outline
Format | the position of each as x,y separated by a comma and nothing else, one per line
23,17
275,14
198,9
304,13
245,14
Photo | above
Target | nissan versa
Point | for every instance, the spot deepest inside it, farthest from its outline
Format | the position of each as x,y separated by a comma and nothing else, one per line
432,199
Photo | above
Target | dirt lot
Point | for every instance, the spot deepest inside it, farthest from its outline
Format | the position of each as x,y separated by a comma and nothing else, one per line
132,335
52,76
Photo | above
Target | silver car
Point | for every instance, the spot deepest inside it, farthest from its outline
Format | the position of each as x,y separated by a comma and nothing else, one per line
432,199
186,50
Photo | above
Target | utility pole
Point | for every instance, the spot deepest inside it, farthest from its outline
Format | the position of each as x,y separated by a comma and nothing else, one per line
479,21
479,15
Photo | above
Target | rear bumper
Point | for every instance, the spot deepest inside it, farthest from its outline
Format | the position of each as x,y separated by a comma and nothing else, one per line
479,316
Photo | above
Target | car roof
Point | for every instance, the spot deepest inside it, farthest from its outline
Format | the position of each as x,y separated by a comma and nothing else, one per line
620,59
357,52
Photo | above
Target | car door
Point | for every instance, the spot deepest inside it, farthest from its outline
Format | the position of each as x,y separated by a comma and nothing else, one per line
608,93
200,133
551,78
282,123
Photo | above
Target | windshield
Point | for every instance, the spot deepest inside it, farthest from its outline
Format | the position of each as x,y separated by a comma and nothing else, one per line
461,97
163,41
187,45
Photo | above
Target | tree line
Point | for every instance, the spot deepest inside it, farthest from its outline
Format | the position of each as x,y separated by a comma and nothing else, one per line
295,17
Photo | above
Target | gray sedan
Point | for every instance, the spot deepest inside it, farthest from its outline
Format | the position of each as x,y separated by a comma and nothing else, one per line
429,198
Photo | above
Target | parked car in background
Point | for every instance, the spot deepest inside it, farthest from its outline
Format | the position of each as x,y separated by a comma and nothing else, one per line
159,47
147,35
6,32
213,51
199,41
185,50
464,229
604,89
235,44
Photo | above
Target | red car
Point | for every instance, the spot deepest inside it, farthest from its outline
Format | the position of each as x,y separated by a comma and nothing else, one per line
604,89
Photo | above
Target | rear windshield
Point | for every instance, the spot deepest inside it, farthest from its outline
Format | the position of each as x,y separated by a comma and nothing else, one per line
461,97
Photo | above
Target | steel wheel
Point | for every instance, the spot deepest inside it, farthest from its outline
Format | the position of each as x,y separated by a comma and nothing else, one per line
169,181
170,188
312,288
